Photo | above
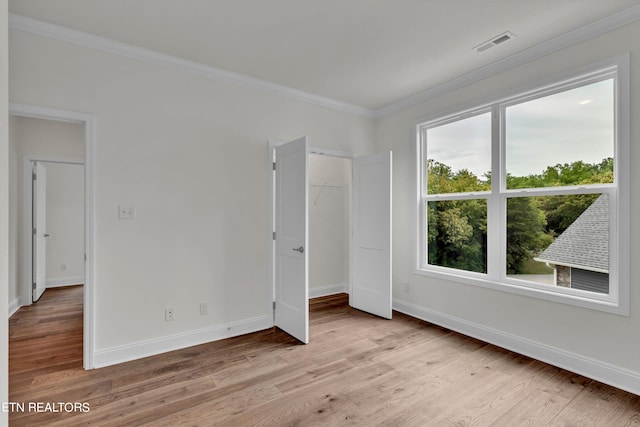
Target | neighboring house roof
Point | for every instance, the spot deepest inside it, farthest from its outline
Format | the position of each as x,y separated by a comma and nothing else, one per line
585,243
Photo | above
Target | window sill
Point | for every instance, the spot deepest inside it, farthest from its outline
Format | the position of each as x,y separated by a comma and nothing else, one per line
584,299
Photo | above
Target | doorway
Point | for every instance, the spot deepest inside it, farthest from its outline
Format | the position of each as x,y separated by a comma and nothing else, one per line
76,268
369,254
329,224
57,221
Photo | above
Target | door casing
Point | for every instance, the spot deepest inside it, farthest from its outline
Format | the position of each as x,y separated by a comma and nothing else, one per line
89,123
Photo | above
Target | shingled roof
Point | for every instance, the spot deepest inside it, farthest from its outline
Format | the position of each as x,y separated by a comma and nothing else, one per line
585,243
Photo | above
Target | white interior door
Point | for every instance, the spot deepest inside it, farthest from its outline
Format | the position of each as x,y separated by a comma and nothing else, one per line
39,216
291,257
371,242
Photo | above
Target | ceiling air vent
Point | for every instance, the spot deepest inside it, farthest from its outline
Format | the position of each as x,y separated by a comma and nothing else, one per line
495,41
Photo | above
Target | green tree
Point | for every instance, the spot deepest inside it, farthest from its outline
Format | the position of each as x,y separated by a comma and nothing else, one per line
457,229
526,232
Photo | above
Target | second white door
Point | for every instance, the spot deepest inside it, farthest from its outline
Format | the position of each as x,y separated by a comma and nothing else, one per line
39,216
371,241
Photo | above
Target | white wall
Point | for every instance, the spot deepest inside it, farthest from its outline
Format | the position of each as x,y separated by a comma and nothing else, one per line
329,179
36,139
568,335
65,224
47,138
189,152
4,212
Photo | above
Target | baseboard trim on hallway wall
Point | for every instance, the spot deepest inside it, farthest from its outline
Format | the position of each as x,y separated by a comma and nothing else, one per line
600,371
64,281
14,306
151,347
323,291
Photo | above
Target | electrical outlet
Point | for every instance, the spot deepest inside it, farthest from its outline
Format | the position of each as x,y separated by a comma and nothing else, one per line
126,212
204,308
168,314
407,287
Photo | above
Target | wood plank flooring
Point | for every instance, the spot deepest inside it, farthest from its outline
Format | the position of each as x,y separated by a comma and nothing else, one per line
357,370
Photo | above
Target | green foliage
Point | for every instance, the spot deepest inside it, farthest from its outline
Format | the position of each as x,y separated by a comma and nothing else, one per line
561,211
441,179
457,229
526,233
458,234
575,173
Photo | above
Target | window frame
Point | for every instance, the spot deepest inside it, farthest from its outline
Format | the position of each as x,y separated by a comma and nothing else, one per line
617,300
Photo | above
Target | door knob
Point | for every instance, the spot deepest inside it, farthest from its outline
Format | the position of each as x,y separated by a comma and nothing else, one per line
300,249
46,234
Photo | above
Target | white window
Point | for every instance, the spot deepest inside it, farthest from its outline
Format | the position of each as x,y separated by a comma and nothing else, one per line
529,193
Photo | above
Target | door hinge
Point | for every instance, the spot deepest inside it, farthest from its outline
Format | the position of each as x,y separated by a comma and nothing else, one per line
34,231
34,176
34,286
274,305
274,165
274,235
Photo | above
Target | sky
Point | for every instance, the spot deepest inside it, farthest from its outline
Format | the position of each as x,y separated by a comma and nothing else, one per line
562,128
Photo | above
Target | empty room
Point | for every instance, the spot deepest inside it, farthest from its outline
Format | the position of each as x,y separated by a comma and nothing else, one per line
319,212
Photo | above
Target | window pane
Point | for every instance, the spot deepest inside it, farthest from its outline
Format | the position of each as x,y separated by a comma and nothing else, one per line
459,156
563,139
457,234
560,240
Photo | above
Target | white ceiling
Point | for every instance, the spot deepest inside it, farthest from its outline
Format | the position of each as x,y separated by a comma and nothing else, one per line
369,53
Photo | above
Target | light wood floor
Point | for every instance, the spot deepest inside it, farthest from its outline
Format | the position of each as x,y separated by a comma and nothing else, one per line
357,370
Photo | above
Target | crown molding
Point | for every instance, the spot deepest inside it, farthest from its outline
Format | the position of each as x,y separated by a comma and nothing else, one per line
593,29
57,32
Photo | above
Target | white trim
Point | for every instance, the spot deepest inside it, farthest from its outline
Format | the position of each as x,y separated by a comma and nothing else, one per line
57,32
593,29
151,347
14,306
64,281
89,122
323,291
595,369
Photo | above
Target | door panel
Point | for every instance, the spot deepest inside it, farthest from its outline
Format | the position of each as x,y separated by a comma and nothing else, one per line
39,216
371,278
291,264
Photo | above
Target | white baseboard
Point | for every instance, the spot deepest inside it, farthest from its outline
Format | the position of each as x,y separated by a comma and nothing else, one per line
138,350
14,306
322,291
600,371
64,281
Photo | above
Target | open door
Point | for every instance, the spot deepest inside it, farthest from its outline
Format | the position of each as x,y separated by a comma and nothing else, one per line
39,218
291,258
371,241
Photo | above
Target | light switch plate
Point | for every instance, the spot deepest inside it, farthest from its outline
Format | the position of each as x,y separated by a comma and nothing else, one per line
126,212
